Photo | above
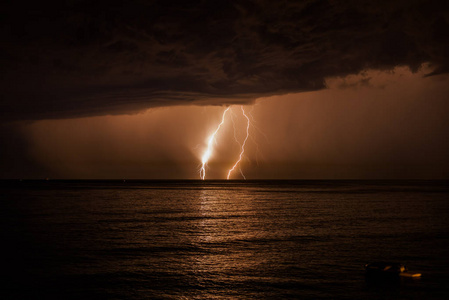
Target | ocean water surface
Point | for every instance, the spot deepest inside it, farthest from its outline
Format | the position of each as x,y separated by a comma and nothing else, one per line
222,239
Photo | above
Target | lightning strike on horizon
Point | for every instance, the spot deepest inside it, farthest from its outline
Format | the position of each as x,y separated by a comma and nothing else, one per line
235,137
206,156
242,150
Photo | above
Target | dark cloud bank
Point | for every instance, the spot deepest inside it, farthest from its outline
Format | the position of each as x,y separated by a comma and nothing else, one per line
83,58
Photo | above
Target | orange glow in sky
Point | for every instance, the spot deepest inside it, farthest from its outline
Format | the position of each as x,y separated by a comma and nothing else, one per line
373,125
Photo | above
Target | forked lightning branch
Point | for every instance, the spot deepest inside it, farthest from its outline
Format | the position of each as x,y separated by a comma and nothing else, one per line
212,139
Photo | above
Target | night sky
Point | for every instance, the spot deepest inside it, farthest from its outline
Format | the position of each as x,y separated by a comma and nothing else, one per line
132,89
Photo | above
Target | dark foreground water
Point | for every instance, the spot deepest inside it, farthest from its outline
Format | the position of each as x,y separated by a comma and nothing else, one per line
219,239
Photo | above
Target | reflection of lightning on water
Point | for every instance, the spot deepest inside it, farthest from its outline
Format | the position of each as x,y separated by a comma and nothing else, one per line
242,150
206,156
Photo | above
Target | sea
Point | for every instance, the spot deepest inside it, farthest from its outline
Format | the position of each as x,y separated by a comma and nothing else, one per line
302,239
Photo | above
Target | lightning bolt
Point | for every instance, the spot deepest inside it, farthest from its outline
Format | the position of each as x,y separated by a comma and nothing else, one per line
242,149
206,156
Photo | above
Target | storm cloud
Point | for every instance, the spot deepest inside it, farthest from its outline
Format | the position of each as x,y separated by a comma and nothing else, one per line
83,58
